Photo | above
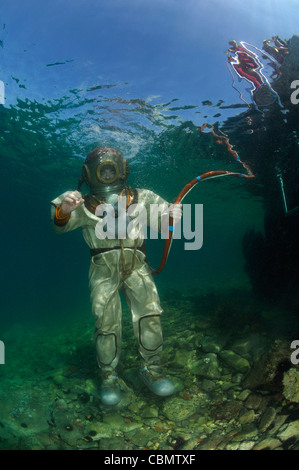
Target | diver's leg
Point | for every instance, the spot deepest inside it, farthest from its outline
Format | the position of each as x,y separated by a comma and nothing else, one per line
106,309
143,299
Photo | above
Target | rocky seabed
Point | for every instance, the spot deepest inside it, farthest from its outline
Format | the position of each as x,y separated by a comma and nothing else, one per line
235,390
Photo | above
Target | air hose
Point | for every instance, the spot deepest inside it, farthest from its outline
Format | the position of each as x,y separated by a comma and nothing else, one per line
179,199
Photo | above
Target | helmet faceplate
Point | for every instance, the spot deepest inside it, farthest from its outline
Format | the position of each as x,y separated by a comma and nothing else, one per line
105,171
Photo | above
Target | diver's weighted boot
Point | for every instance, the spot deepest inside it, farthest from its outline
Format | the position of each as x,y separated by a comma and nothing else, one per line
109,392
154,379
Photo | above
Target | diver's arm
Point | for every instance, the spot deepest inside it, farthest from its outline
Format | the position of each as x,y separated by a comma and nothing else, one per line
63,212
160,223
71,201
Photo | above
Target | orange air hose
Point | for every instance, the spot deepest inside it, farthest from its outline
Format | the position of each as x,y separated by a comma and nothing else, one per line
179,199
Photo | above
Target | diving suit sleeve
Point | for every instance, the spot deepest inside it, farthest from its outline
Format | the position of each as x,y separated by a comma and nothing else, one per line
155,206
65,222
60,217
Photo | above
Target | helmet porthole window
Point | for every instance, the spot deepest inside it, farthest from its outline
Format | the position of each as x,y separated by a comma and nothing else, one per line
107,172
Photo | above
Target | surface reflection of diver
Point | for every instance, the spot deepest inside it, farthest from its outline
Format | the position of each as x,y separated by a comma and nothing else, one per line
117,264
248,65
245,64
278,49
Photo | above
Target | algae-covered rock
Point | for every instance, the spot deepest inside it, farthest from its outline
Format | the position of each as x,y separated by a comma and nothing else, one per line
227,410
99,430
235,361
150,412
267,419
247,416
58,376
141,437
184,358
207,367
268,444
177,383
213,344
243,395
291,385
177,409
114,443
257,402
267,370
208,385
291,430
250,346
90,387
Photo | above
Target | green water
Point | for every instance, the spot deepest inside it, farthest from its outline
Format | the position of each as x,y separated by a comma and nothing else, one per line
43,146
46,321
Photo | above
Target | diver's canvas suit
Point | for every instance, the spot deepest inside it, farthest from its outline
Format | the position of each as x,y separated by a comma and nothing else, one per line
114,270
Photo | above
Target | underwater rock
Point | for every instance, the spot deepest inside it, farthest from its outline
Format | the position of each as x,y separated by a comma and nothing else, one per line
114,443
58,376
237,378
150,412
247,416
131,378
291,430
136,406
177,383
208,385
66,424
247,445
268,444
225,385
189,340
184,358
115,421
244,395
267,419
211,442
277,423
7,433
227,410
90,387
99,430
291,385
235,361
61,404
177,409
207,367
213,344
190,444
249,431
24,416
141,437
250,346
268,370
257,402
